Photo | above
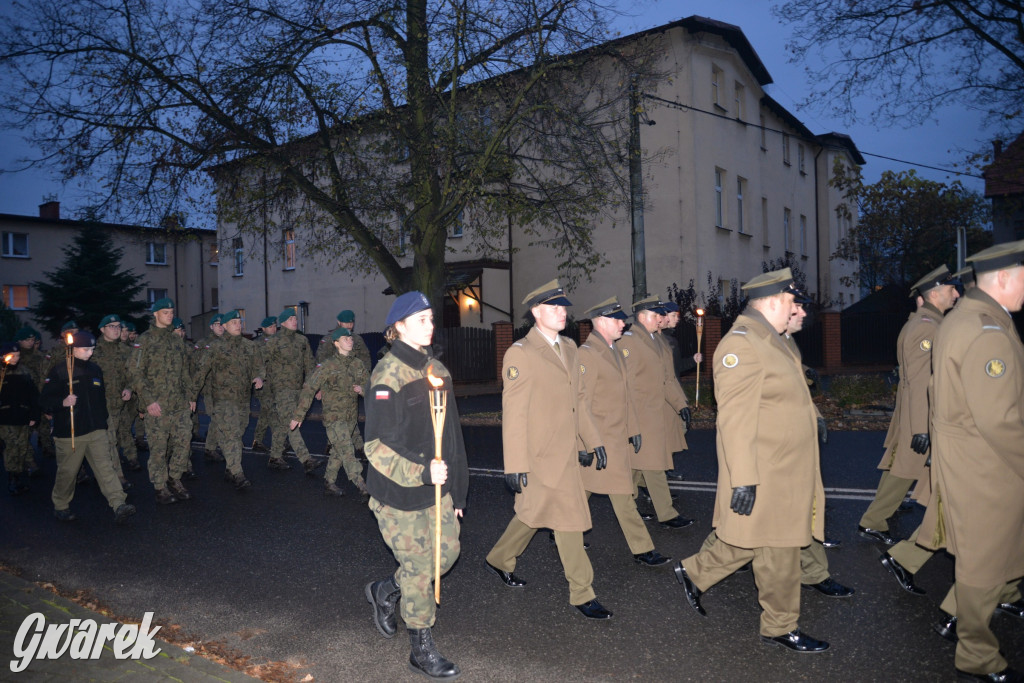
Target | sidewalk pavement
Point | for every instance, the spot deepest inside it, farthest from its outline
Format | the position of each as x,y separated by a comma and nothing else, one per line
20,598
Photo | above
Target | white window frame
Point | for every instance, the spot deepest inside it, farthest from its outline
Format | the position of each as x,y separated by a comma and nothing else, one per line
786,219
288,238
8,294
785,149
156,253
719,208
800,159
154,294
738,97
740,183
716,86
9,250
239,253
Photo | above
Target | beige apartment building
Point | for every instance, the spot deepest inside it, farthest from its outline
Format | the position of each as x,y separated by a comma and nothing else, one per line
736,180
179,263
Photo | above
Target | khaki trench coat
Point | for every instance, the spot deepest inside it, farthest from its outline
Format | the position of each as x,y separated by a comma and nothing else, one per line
766,437
978,440
676,426
543,420
656,397
606,393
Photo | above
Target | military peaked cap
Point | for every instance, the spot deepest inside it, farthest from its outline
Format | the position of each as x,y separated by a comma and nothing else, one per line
769,284
651,303
936,278
998,256
609,308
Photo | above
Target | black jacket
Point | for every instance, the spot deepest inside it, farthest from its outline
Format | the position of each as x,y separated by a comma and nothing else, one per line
91,408
19,399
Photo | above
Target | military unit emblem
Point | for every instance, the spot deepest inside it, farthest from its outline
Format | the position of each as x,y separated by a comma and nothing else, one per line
512,372
730,360
995,368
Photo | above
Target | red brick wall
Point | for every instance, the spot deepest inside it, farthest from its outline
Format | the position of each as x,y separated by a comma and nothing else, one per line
832,340
502,340
712,337
586,327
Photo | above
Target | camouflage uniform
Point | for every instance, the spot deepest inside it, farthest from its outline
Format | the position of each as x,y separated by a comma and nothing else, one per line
289,362
228,369
112,357
360,351
158,368
19,405
400,448
36,363
335,378
265,420
202,348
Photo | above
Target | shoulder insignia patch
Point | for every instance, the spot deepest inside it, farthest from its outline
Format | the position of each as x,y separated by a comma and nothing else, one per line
740,331
625,353
628,334
583,369
995,368
382,395
731,360
46,381
991,327
926,344
137,345
519,343
926,319
512,372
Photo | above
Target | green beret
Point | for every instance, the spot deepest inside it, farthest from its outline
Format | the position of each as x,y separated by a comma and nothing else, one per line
769,284
216,320
26,332
161,304
112,318
550,293
286,313
269,321
230,315
69,325
339,332
346,316
177,324
130,327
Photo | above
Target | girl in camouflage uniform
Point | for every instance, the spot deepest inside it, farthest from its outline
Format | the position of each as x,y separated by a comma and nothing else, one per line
402,475
339,381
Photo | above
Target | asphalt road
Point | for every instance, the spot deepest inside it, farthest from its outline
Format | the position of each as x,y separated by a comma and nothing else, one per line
277,572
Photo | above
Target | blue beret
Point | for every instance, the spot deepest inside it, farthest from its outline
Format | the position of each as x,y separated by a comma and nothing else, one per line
406,305
84,339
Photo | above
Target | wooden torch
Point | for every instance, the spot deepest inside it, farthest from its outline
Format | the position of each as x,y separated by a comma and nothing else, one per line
700,335
70,361
438,407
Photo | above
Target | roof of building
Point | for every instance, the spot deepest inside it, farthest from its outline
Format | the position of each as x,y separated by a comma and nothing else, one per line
842,140
77,224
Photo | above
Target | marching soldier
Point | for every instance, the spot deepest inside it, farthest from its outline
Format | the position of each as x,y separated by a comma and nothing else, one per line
36,363
346,319
770,500
548,436
907,441
288,363
228,369
204,346
660,405
402,478
339,380
606,393
19,412
977,467
112,358
159,375
263,423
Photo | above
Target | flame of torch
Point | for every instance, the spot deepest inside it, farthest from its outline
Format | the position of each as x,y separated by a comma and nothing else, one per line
700,334
70,360
3,371
438,407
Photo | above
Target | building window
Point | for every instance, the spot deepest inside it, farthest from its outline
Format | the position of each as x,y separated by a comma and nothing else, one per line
786,237
288,236
156,254
785,149
719,175
764,220
154,295
764,139
740,183
800,159
803,235
214,298
16,297
214,254
15,245
239,257
716,82
738,95
458,226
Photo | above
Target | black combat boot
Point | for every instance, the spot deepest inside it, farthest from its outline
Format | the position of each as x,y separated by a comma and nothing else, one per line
383,595
14,486
425,659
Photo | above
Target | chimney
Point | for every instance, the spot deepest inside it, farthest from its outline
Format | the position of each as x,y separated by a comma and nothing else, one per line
997,149
50,210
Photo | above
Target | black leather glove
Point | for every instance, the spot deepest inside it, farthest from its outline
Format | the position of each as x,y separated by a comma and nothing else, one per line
928,462
685,414
634,441
822,430
602,457
586,459
516,481
919,443
743,499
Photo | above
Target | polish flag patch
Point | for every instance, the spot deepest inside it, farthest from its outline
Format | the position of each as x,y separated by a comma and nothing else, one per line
383,394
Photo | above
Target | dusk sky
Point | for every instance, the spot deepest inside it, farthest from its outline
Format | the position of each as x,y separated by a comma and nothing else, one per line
942,142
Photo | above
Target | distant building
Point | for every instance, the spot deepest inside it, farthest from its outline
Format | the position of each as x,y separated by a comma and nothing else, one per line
737,181
1004,185
180,263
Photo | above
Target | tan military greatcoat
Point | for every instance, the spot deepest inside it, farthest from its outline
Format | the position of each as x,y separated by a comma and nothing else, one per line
766,437
606,393
978,440
656,397
543,412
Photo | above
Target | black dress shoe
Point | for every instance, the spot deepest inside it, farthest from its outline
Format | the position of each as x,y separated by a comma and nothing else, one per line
1014,609
796,641
904,578
831,588
947,629
1007,675
877,535
647,516
905,506
594,610
652,558
831,542
507,578
674,475
677,523
692,592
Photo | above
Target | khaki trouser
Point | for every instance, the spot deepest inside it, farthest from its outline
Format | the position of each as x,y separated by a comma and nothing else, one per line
776,573
890,493
633,528
410,535
575,563
657,486
813,562
94,447
977,650
1009,593
909,554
